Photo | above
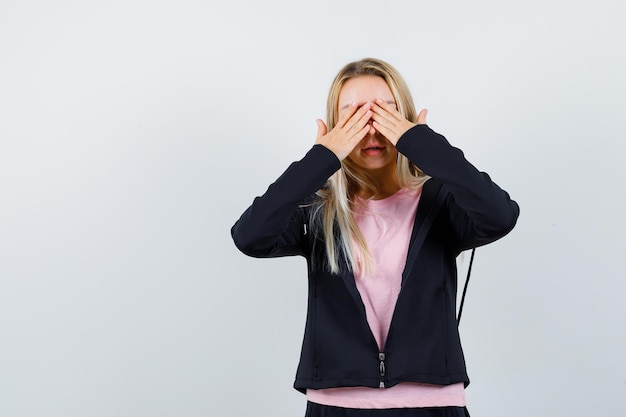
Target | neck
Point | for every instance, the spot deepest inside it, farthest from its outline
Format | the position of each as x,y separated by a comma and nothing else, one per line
384,180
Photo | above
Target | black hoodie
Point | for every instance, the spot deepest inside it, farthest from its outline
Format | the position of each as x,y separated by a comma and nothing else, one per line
460,208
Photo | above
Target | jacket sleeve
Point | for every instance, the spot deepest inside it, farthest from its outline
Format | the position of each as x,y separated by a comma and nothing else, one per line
480,211
273,225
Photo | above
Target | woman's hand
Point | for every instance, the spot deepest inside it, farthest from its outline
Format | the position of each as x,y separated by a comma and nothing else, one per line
391,123
351,127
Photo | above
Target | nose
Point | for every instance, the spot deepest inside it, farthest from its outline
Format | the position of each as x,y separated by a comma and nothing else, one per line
372,131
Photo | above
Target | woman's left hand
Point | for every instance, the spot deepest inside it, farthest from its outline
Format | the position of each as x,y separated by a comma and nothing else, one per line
391,123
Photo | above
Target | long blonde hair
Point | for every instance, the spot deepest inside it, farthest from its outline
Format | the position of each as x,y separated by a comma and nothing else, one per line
332,213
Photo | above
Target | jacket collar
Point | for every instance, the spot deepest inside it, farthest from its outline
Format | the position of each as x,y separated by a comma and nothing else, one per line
433,195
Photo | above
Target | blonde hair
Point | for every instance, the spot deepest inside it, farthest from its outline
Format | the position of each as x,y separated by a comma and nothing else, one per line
332,212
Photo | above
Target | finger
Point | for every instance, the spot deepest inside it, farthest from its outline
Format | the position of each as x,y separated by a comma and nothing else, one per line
383,117
421,117
351,141
382,129
359,119
388,110
347,113
359,135
321,128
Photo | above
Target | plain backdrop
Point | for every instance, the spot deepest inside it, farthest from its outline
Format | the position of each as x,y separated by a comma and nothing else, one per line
134,133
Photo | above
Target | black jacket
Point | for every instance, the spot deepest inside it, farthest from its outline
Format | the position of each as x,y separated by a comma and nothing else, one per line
460,208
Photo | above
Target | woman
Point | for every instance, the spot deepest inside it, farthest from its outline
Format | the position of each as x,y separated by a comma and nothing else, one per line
380,207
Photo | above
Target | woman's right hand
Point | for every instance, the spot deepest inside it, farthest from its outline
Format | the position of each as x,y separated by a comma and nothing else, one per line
351,127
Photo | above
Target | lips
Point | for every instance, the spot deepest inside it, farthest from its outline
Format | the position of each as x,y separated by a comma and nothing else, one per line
373,150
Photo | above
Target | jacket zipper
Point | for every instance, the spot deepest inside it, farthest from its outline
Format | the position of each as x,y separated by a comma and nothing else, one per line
381,369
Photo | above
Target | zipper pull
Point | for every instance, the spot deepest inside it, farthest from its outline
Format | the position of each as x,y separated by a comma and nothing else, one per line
304,225
381,369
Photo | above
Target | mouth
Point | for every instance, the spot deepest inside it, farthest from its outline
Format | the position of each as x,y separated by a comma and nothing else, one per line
373,150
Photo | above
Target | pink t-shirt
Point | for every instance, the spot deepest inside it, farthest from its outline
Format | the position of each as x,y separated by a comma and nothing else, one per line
386,226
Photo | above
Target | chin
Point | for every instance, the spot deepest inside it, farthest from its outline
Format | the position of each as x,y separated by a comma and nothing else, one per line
375,165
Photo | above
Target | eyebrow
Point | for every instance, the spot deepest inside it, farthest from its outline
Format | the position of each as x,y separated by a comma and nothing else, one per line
360,104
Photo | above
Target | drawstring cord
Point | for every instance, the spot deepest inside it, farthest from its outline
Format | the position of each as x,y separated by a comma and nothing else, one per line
469,271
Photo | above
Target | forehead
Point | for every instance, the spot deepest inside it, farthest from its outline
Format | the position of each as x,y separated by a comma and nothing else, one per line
363,89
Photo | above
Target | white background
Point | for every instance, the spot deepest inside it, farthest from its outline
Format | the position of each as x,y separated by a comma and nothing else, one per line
134,133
